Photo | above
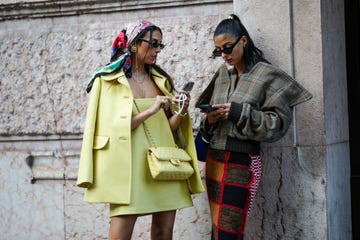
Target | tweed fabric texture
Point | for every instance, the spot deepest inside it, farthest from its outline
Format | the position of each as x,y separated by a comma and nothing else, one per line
261,105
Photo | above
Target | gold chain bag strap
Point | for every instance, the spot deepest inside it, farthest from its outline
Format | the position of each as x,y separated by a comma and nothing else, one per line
167,163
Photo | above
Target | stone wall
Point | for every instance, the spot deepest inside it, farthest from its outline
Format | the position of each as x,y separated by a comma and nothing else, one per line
47,59
49,50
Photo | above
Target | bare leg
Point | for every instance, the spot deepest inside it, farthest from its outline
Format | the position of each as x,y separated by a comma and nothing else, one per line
162,225
121,227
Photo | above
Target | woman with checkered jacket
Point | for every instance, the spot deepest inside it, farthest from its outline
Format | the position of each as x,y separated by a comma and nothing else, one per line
251,102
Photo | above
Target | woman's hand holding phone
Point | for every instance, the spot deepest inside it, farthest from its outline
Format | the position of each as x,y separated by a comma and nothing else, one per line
218,112
205,108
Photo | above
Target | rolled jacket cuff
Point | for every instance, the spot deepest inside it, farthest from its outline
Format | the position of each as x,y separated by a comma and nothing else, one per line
235,111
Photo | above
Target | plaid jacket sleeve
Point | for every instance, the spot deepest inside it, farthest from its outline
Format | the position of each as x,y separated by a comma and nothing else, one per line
265,111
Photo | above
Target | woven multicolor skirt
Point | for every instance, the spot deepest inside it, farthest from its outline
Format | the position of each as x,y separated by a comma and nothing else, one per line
232,180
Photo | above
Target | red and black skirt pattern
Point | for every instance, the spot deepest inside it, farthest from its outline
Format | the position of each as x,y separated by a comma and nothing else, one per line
232,179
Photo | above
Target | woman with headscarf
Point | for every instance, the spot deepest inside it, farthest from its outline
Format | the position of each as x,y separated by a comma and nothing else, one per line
130,90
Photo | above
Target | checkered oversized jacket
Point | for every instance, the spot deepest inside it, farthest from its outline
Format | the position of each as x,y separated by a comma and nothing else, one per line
261,107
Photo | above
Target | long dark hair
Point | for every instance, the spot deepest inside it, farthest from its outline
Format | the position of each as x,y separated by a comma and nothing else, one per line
137,40
232,26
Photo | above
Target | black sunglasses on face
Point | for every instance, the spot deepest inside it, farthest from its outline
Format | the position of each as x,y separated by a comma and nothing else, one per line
153,43
227,50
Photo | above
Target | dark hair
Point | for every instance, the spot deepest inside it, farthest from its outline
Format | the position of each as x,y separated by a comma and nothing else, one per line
137,40
232,26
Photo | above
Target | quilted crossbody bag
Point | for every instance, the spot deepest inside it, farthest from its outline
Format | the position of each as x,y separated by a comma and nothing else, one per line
167,163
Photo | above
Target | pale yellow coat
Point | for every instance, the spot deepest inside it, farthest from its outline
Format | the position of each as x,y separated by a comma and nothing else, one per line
106,175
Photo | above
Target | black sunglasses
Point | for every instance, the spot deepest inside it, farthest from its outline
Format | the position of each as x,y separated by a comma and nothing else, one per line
227,50
153,43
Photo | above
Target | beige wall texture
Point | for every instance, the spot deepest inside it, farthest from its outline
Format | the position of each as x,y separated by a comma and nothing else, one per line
49,49
47,60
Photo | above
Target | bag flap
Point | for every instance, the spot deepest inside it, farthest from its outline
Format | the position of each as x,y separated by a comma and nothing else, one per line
170,153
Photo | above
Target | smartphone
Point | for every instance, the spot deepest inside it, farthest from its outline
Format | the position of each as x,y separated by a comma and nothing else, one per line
205,107
188,86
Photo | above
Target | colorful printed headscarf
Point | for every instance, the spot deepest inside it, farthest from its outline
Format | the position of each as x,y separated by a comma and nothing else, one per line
126,37
120,46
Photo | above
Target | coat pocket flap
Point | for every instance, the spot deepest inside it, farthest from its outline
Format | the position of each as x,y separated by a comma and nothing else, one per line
100,142
170,153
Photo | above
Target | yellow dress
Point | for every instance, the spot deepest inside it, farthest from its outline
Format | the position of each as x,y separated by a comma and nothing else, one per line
148,195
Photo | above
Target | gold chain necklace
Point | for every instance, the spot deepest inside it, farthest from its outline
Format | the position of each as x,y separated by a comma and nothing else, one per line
139,86
137,80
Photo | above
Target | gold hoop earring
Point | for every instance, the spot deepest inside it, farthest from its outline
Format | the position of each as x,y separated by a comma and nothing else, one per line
133,49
